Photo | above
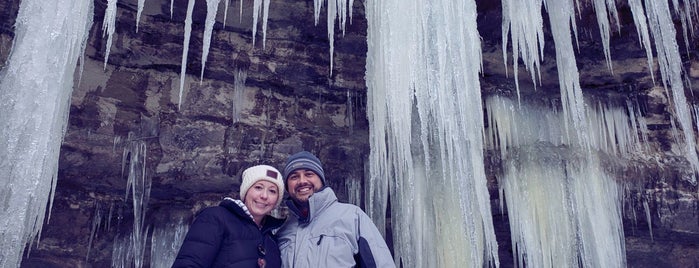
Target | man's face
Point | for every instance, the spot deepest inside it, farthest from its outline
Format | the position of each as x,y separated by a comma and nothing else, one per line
302,183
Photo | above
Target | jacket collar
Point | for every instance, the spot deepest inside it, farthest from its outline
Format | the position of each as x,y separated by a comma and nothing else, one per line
269,223
317,203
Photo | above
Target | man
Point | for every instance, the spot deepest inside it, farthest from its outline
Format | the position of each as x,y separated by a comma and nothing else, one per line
320,231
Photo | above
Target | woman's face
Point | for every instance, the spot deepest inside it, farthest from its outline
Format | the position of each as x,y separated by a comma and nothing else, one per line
261,198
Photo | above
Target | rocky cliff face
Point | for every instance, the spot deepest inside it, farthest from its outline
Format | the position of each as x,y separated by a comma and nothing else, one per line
196,149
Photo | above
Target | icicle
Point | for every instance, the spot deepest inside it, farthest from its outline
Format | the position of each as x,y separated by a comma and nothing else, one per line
238,93
639,18
610,129
336,9
139,184
172,3
225,12
122,252
265,17
36,85
141,3
108,26
561,15
670,64
646,209
165,243
211,11
96,222
354,193
603,9
555,187
240,16
185,48
259,6
524,21
349,114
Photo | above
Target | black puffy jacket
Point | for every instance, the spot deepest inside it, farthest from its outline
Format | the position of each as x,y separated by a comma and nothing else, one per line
225,236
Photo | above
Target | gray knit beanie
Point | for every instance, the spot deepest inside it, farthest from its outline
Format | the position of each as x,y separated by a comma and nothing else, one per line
304,160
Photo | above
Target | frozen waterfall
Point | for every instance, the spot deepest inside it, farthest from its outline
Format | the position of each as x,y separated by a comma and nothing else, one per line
35,87
426,118
427,133
564,207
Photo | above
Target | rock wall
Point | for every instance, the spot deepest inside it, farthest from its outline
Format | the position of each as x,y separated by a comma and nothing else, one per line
196,149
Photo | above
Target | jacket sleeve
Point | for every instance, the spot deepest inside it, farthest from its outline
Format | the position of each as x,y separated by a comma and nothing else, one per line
201,245
374,247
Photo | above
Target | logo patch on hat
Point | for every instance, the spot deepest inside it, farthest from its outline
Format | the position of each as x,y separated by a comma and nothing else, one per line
272,174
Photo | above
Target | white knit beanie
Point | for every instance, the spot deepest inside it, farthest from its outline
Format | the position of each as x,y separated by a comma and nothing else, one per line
262,172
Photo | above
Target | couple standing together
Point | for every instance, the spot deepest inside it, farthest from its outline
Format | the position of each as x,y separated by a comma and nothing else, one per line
319,232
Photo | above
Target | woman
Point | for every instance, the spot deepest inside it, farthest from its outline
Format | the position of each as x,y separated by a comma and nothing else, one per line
238,233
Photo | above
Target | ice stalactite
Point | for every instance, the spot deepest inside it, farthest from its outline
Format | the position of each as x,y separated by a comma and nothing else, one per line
604,10
108,27
240,15
36,85
337,10
349,114
639,19
562,20
259,6
225,12
523,19
96,223
238,93
139,185
139,11
670,63
563,205
185,48
211,11
165,243
425,112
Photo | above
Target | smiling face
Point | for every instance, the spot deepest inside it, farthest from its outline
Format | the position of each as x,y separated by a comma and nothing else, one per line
302,183
261,198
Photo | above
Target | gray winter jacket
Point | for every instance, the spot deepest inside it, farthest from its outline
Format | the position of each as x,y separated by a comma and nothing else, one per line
329,236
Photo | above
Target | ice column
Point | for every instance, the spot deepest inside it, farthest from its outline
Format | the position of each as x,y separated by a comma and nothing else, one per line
426,125
238,93
564,208
165,243
35,89
139,185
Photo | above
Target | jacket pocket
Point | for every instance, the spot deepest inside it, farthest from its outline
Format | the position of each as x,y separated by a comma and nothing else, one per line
330,250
